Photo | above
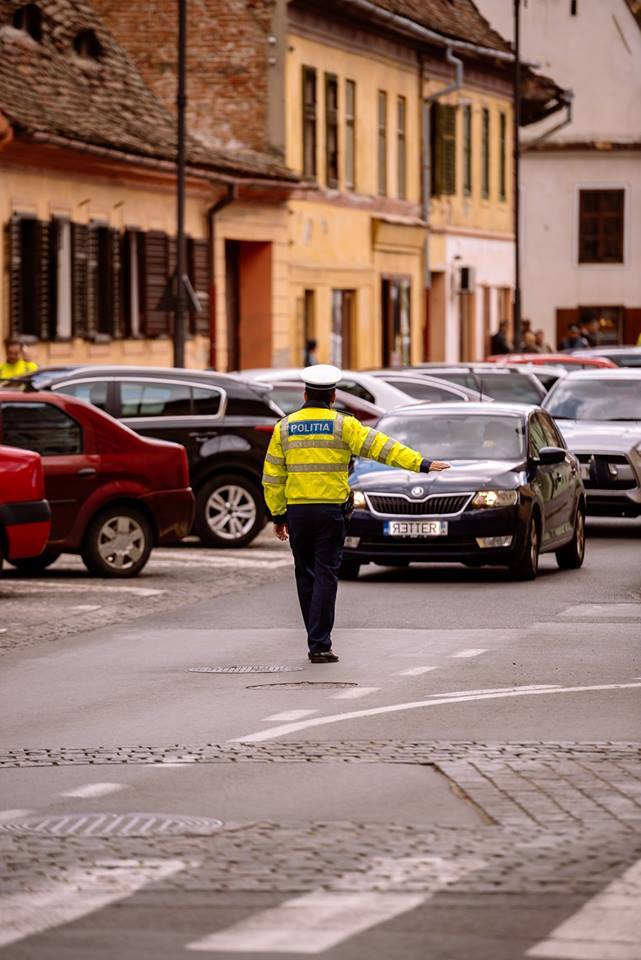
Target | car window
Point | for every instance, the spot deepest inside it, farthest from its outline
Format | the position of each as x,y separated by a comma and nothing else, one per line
456,436
603,400
538,440
424,391
93,391
516,388
462,379
141,399
356,389
206,401
41,427
287,399
552,434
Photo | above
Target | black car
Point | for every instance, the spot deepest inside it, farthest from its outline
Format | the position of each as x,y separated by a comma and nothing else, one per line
513,491
224,423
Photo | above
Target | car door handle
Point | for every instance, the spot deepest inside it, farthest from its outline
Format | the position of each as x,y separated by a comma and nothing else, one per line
87,472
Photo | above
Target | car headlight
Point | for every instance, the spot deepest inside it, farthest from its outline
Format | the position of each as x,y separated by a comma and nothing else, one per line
359,500
495,498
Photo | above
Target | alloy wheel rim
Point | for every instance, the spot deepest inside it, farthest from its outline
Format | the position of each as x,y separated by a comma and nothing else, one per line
121,542
580,534
534,548
230,512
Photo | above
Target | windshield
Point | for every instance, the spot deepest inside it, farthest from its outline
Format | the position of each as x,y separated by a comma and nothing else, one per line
458,437
511,389
596,400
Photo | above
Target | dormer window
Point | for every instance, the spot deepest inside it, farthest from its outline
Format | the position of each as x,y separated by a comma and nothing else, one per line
29,19
87,45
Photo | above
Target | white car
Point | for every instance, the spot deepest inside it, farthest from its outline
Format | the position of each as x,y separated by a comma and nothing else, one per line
359,384
599,415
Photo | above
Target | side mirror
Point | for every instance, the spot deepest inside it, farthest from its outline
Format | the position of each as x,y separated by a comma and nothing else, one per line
551,455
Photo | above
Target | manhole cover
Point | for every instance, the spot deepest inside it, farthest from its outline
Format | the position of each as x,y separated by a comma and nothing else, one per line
302,685
112,825
246,668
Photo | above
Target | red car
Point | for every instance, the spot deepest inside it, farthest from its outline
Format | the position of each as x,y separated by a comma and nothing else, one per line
25,516
113,494
553,359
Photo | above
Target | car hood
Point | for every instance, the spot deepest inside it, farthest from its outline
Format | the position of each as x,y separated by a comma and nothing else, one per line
594,435
464,475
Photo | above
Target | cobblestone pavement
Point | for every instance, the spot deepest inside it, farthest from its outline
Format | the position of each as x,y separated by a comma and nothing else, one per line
65,600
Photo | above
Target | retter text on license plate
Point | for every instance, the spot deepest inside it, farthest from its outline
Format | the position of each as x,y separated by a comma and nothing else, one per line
415,528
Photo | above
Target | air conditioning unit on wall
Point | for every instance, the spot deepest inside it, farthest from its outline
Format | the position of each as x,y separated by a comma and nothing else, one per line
465,280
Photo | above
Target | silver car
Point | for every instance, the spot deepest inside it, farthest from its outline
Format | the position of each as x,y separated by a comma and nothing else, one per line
599,414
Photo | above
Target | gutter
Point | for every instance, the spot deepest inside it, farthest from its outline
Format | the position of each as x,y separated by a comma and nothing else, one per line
418,32
227,198
426,192
567,101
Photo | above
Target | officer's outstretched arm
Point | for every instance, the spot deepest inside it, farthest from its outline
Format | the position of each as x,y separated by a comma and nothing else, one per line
370,443
275,477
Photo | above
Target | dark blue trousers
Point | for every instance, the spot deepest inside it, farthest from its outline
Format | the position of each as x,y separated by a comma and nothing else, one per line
316,536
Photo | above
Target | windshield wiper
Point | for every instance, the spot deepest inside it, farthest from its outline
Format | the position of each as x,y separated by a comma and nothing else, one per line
622,420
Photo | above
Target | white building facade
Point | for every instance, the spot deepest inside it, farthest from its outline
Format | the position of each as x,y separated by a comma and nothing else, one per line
581,186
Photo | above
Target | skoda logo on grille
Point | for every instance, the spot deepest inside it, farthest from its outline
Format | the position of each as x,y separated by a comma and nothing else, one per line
417,491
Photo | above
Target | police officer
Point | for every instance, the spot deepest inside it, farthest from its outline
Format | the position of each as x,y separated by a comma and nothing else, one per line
307,492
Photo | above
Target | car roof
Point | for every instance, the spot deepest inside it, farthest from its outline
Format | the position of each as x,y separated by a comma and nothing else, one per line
604,351
605,373
473,409
229,382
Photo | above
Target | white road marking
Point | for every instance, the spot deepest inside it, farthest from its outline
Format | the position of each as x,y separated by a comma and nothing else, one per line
472,652
601,611
87,606
14,814
81,892
419,704
607,927
320,920
467,693
414,671
355,693
94,790
290,715
221,561
9,586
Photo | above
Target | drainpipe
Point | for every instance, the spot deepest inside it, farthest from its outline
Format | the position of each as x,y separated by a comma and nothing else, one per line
427,174
568,99
224,201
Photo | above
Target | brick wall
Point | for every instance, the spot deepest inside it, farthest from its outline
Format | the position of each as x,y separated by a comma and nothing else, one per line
227,61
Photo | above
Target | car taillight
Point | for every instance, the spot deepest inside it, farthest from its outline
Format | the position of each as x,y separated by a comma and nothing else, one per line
184,468
264,427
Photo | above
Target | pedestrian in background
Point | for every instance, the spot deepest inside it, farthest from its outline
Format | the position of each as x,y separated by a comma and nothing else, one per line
16,364
592,332
310,353
499,342
307,493
541,343
574,340
529,344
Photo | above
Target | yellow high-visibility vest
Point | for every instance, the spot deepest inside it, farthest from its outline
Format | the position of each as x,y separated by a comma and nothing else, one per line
18,369
308,457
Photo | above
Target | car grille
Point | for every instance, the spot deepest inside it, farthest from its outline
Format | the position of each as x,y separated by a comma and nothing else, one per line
433,506
608,471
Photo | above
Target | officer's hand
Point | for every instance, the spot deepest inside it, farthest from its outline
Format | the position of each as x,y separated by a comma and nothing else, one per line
281,531
439,465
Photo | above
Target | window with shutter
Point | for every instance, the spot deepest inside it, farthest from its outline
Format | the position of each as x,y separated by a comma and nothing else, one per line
485,154
331,130
155,273
13,246
117,320
309,121
198,260
601,226
132,248
443,149
41,290
29,295
93,241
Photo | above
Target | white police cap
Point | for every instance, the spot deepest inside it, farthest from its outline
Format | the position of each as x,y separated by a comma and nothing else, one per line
322,376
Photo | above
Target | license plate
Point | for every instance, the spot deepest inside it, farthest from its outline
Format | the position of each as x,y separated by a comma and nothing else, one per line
415,528
584,470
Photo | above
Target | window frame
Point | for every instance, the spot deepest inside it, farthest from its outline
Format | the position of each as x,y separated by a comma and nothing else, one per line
598,234
401,147
468,146
486,175
502,156
350,135
309,114
43,403
381,143
119,381
331,131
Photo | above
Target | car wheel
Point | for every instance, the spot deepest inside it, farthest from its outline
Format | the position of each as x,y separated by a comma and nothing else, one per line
34,565
117,543
229,512
349,570
527,566
570,557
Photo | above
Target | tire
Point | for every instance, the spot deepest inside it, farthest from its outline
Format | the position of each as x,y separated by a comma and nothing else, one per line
117,543
230,511
349,570
527,566
570,557
35,565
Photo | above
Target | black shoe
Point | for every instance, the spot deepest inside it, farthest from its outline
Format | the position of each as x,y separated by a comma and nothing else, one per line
325,656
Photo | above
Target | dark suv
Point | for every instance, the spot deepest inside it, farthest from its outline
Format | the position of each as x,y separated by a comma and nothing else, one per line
223,422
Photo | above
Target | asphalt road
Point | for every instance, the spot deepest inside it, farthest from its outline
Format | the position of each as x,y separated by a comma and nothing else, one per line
465,782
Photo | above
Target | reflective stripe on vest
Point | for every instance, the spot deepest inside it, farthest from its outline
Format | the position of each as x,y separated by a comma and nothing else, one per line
318,467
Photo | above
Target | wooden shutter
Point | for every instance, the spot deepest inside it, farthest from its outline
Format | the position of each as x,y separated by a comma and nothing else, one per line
198,259
155,322
92,281
631,324
565,317
117,291
42,285
443,149
79,279
13,247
